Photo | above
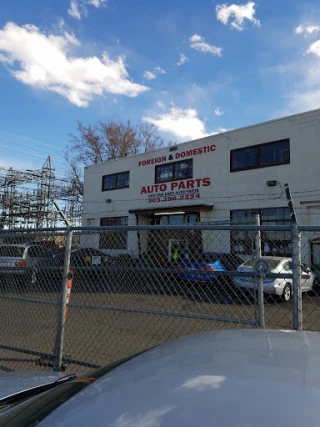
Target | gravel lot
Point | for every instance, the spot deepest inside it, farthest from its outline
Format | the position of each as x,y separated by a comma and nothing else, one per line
98,335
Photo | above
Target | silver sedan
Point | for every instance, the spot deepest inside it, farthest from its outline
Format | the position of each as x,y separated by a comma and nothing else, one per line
277,286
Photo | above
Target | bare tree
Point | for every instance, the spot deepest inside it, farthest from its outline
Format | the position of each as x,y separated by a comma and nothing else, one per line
148,138
108,140
75,175
88,147
119,139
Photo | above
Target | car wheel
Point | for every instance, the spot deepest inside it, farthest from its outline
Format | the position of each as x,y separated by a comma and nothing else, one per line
287,293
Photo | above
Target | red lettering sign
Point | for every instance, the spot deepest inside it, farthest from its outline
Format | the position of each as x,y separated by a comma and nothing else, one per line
179,155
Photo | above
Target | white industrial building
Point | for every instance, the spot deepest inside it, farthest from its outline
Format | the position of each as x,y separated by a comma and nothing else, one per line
223,177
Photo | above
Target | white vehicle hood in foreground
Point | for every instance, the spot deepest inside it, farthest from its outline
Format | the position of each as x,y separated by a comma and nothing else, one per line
228,378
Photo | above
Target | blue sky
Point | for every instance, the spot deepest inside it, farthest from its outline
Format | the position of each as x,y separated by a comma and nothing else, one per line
191,68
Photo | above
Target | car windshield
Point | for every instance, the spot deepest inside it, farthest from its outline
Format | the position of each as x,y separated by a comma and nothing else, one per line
208,258
272,262
11,251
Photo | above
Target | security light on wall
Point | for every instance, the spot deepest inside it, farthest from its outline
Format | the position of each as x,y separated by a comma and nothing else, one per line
271,183
108,201
170,213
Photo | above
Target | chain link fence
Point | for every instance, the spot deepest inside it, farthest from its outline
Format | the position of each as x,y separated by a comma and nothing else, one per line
135,287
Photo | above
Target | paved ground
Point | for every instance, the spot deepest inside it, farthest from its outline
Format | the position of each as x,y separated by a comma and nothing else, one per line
99,335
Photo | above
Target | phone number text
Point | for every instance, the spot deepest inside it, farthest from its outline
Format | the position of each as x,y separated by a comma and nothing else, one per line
171,198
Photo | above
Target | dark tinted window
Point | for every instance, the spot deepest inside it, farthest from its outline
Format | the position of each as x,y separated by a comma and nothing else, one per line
116,180
34,251
273,242
174,171
209,257
113,239
230,259
274,263
262,155
12,251
245,159
276,153
120,220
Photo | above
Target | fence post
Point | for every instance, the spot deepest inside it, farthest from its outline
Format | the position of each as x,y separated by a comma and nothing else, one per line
63,302
261,318
296,278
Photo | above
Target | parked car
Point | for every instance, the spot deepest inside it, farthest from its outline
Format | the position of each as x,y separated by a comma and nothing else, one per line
86,261
204,267
277,286
50,244
220,378
24,261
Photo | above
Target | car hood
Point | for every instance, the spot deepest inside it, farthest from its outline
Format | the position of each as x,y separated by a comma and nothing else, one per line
226,378
14,382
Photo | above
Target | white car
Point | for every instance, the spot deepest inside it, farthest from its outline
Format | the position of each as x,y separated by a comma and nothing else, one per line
277,286
224,378
23,260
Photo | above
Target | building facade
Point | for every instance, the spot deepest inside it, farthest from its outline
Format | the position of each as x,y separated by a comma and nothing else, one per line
217,179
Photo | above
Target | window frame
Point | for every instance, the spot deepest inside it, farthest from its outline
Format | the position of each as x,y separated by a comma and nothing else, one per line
173,164
115,236
117,187
113,218
245,241
258,147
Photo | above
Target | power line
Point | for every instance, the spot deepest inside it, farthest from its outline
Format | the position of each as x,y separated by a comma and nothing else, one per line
21,146
33,153
5,138
47,136
30,139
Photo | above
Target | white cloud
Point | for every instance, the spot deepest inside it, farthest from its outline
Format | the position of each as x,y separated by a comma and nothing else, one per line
218,112
159,70
44,61
302,100
198,43
182,60
149,75
307,29
184,124
74,10
196,38
78,8
314,48
237,14
97,3
304,93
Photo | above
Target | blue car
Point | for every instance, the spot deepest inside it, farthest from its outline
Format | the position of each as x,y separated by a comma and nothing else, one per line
203,269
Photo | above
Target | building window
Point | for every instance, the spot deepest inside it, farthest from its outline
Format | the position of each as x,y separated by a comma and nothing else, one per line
272,242
113,239
259,156
115,181
174,171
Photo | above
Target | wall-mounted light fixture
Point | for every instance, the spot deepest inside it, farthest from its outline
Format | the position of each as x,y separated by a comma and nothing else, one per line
170,213
271,183
108,201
